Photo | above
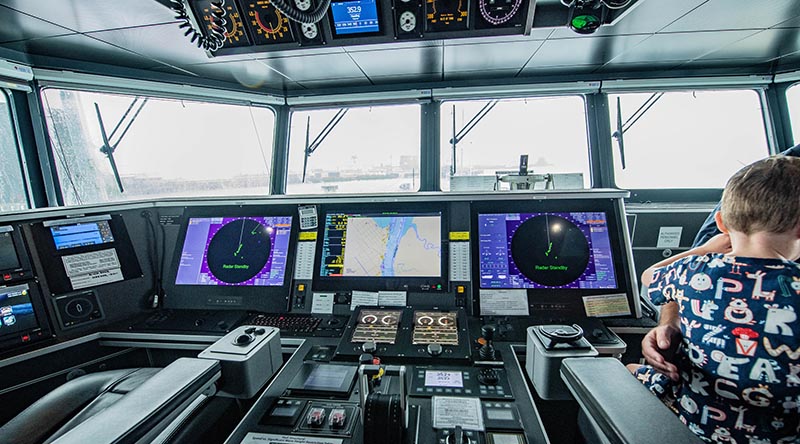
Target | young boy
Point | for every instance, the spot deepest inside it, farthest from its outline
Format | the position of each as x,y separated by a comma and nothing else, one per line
735,300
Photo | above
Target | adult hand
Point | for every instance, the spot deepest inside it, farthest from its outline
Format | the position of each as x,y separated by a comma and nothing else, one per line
658,346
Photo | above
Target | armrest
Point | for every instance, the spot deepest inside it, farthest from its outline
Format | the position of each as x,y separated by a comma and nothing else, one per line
147,409
621,406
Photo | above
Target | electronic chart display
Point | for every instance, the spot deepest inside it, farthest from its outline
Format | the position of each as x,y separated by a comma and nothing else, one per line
545,250
244,251
385,250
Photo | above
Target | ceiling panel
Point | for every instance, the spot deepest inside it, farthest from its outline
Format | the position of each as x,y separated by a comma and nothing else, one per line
94,15
646,17
412,78
251,74
791,23
648,66
743,65
484,74
680,46
492,56
400,61
312,68
583,51
17,26
81,47
717,15
335,83
533,71
768,44
162,42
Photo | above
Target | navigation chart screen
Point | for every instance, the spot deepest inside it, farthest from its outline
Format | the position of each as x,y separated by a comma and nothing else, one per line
382,245
244,251
545,250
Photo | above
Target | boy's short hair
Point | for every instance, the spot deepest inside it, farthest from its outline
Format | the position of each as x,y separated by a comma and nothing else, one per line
763,196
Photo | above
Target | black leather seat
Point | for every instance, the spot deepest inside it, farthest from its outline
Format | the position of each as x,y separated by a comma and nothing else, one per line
71,404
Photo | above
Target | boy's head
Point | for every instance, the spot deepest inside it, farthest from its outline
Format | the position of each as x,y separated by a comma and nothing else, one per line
763,196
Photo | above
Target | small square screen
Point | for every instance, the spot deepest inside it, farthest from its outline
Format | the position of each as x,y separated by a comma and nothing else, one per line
326,377
81,234
355,17
8,254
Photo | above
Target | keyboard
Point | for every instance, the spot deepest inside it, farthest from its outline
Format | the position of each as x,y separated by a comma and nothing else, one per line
287,323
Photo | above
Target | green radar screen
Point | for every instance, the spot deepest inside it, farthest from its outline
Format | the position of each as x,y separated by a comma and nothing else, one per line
239,251
550,250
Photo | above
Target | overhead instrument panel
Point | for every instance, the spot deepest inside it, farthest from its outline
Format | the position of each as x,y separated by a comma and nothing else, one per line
408,18
493,14
308,34
266,23
235,34
446,15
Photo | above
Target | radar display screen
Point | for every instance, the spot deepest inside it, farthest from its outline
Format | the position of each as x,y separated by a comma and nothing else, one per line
355,17
545,250
446,15
382,245
244,251
81,234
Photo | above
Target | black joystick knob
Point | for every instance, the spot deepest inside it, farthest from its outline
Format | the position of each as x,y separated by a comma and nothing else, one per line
457,436
487,331
243,339
434,349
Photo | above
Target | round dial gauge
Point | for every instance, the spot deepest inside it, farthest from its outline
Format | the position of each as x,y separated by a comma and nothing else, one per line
408,21
310,31
267,23
303,5
497,12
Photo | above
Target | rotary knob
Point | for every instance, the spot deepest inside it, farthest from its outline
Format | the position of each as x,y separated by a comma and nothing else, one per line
434,349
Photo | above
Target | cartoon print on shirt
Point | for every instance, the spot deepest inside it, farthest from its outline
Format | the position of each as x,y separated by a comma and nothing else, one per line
689,326
758,292
706,310
778,319
728,365
783,348
701,282
722,434
712,338
745,341
739,313
764,370
734,287
789,287
793,378
740,425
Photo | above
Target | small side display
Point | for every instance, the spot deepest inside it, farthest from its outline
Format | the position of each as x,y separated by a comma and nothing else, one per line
9,260
545,250
356,17
244,251
81,234
19,323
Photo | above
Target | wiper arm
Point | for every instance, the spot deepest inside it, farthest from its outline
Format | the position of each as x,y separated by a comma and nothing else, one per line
622,128
458,137
108,148
311,147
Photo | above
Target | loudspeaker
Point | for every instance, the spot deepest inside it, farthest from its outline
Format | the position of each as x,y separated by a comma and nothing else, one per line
78,308
408,19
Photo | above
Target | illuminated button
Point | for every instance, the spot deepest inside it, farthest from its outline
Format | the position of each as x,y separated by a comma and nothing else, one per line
26,338
460,289
301,287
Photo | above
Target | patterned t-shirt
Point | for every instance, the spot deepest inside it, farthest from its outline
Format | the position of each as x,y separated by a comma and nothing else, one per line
740,356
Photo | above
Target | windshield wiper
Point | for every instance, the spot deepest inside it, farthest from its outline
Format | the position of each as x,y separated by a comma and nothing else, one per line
622,128
458,137
108,148
311,147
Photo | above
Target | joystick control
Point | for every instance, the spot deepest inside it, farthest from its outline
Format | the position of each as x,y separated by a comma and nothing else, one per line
457,436
487,351
434,349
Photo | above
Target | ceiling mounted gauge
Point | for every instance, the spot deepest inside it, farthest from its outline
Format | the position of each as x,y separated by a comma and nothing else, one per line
266,23
407,21
235,34
310,31
303,5
446,15
499,14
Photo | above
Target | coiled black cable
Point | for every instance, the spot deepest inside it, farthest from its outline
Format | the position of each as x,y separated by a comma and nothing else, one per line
297,15
216,33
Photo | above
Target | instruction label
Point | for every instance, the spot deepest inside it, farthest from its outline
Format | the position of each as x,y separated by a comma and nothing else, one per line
451,411
304,262
322,303
392,298
606,305
93,268
669,237
364,299
268,438
504,302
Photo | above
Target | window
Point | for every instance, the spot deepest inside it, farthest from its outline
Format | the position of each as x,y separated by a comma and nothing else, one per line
355,150
550,130
164,147
694,139
793,98
13,195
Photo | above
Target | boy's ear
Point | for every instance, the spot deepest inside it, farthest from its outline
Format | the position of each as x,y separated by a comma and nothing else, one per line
720,223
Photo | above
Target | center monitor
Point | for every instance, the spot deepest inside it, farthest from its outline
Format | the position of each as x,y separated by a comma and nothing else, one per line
233,260
382,250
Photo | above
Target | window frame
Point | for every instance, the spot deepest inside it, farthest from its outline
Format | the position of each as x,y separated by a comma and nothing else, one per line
18,143
681,195
326,106
585,99
100,87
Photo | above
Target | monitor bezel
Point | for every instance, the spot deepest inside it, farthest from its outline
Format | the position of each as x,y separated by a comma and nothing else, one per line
24,270
570,296
410,284
270,299
378,12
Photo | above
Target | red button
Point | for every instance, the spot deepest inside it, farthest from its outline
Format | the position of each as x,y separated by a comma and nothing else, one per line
6,277
26,338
